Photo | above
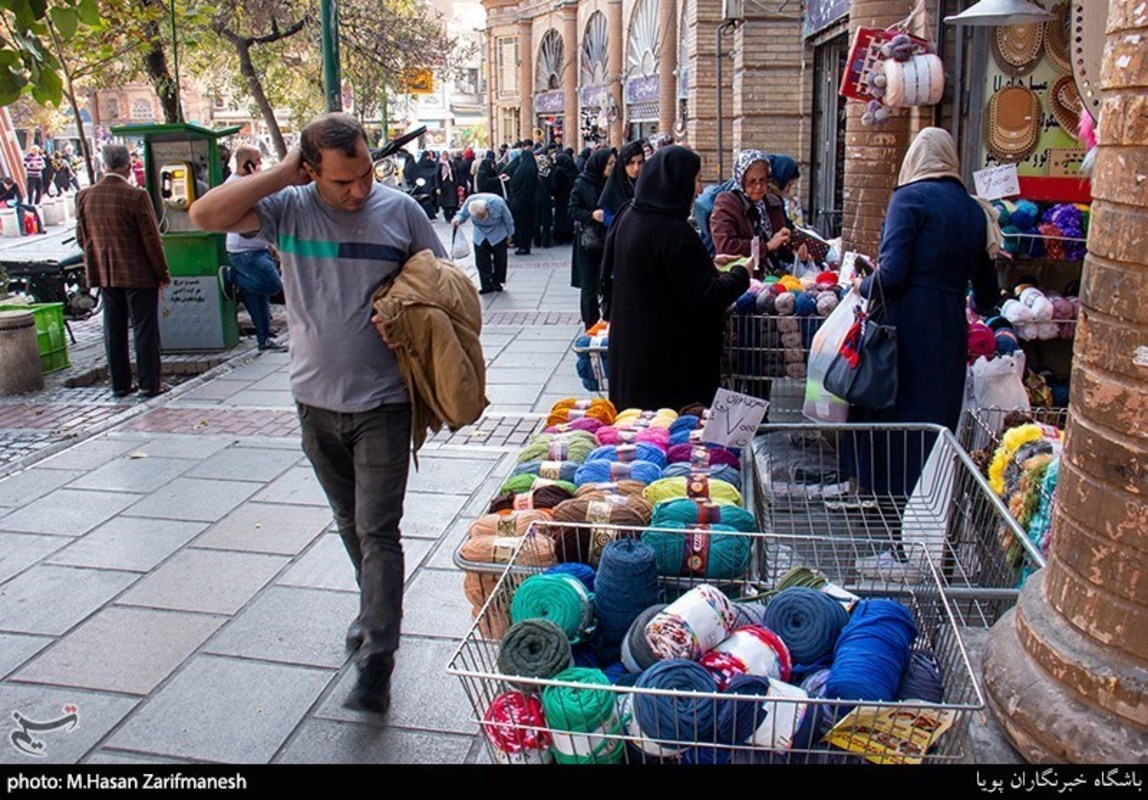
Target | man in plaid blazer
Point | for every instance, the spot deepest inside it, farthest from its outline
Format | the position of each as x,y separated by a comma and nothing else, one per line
116,227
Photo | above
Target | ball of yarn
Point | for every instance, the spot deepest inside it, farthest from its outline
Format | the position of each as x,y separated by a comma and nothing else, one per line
767,304
515,726
717,552
790,283
692,625
587,424
583,572
742,713
554,448
584,655
685,422
599,491
636,654
516,523
1004,212
627,584
489,544
786,304
550,470
698,487
656,437
982,341
606,471
571,408
596,523
806,304
639,451
746,303
534,648
872,652
826,303
750,612
1025,215
808,621
703,455
544,497
752,650
587,709
523,484
691,512
924,678
562,599
664,416
642,749
1006,342
719,472
681,717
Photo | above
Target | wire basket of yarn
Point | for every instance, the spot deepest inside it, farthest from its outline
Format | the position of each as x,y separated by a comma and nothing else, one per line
583,526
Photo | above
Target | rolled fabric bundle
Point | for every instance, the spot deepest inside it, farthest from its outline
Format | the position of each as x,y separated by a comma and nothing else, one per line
522,484
627,584
549,470
743,713
752,650
636,654
562,599
571,409
597,491
587,424
583,572
605,471
696,487
681,717
872,652
717,552
644,750
658,437
534,648
576,715
703,455
629,453
555,448
618,516
719,472
808,621
692,625
692,512
924,678
545,497
515,726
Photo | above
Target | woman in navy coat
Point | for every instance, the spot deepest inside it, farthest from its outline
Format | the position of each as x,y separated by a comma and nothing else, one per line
936,240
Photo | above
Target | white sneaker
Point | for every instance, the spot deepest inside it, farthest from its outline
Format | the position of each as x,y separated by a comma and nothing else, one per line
887,566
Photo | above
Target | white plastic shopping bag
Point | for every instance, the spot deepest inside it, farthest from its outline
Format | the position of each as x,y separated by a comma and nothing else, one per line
820,405
459,246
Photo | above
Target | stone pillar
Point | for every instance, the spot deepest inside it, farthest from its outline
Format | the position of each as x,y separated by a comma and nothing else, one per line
616,68
526,78
573,123
873,153
667,66
492,79
1066,672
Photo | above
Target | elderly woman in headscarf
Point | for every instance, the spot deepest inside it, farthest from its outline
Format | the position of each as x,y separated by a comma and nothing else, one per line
743,215
669,297
937,240
589,224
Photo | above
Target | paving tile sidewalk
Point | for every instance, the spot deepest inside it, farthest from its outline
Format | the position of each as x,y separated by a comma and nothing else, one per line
176,577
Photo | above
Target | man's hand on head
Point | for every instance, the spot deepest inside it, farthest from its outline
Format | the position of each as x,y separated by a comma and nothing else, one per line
294,174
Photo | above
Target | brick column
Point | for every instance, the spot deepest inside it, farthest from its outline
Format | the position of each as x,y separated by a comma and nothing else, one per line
616,68
873,153
573,122
1066,672
667,65
701,130
526,78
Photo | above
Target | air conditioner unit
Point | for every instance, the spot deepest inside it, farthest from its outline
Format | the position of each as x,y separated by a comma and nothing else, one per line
733,10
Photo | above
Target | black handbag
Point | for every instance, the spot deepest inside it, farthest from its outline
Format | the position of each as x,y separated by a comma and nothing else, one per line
864,371
590,236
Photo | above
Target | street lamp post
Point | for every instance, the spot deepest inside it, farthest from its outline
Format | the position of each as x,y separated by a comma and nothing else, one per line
332,86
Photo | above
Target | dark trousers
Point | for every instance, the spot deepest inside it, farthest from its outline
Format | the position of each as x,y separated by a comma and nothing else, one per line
35,188
361,462
543,223
591,312
523,214
138,306
490,259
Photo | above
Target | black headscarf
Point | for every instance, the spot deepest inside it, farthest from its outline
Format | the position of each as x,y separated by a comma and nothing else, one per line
596,166
666,185
619,187
524,181
565,165
580,161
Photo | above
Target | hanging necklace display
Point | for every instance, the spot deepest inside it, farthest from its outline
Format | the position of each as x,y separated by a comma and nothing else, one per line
1056,38
1017,48
1012,123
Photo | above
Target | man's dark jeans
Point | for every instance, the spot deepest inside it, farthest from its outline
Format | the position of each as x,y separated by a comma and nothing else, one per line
490,260
361,461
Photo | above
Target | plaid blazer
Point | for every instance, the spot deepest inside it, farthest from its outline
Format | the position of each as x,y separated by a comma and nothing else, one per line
116,227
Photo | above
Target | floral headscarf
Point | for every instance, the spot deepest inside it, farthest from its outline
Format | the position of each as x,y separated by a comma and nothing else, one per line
746,159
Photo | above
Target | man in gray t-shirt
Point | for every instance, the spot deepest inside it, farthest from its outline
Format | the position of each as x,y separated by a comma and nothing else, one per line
339,235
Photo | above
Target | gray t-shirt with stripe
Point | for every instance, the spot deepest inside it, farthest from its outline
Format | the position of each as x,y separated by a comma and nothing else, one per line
333,260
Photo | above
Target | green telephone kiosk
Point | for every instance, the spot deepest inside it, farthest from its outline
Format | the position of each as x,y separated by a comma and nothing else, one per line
182,163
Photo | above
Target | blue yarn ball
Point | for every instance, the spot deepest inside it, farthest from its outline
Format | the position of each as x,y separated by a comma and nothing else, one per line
644,452
584,655
924,678
583,572
806,304
1025,215
679,717
686,422
746,304
606,471
567,470
615,672
627,584
1005,215
738,719
1007,343
767,304
721,472
872,652
808,621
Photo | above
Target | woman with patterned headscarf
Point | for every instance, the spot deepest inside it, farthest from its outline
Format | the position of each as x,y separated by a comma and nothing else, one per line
743,215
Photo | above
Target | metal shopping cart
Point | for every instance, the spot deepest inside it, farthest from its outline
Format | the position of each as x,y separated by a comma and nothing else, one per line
766,357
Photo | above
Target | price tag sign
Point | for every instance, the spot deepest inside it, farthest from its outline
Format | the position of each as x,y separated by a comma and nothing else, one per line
734,420
997,182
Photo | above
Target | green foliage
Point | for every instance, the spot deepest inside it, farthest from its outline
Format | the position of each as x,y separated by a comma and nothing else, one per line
28,59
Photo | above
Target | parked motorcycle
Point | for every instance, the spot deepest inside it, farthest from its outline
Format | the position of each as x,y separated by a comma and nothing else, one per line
55,281
392,172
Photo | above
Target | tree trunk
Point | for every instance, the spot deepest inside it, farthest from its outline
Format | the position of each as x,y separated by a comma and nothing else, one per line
155,65
70,93
255,86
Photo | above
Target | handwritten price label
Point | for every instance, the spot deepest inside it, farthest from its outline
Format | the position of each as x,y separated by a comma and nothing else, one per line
734,419
996,182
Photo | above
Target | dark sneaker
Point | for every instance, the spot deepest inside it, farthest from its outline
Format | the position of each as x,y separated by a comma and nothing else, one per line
372,691
273,346
163,388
